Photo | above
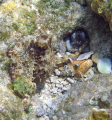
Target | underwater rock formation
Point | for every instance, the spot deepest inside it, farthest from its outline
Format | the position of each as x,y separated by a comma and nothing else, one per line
104,9
29,37
98,114
82,2
33,34
10,106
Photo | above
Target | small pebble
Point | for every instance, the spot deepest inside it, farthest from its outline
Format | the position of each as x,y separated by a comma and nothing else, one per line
55,118
96,57
53,85
54,90
64,83
52,79
60,79
57,81
46,86
67,87
70,80
47,81
41,118
59,85
57,72
46,118
59,55
49,103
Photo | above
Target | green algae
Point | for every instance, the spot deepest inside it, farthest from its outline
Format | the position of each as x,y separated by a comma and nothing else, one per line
22,86
4,35
26,23
5,66
48,13
56,14
9,7
56,8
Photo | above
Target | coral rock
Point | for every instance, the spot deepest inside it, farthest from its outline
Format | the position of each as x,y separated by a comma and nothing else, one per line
96,57
104,9
100,114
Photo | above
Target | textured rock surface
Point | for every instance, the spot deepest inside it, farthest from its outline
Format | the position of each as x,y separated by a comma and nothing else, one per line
98,114
76,105
103,8
10,106
31,38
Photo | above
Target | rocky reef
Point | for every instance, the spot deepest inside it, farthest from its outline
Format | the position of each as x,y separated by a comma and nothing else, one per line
103,8
10,107
38,69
